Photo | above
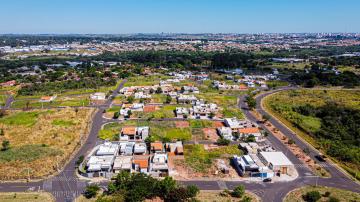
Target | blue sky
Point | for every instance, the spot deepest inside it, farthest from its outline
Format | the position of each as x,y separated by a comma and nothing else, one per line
178,16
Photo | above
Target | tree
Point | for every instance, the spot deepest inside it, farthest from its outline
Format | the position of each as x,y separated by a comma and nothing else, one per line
129,113
5,145
130,99
168,99
239,191
116,115
165,186
80,160
223,141
91,191
211,115
246,199
158,90
250,138
266,118
250,100
2,133
312,196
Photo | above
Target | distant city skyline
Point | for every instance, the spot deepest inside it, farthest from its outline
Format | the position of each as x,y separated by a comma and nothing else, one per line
178,16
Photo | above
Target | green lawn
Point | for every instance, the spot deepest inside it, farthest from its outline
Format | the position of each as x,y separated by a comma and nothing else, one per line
21,118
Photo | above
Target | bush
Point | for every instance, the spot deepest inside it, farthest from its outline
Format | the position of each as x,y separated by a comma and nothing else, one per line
246,199
333,199
223,141
327,194
312,196
192,191
91,191
5,145
239,191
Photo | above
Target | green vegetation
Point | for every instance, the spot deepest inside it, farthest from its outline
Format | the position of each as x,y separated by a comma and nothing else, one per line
200,123
145,80
64,123
200,159
138,187
25,196
319,193
91,191
330,118
59,87
27,153
21,118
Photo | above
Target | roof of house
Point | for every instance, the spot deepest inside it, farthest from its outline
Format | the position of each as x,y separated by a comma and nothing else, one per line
249,130
143,163
276,158
149,108
128,130
46,97
156,146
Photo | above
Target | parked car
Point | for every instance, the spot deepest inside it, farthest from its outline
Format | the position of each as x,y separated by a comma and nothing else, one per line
320,158
267,180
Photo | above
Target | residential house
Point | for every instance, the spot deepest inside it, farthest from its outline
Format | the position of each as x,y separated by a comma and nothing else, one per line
182,112
141,164
122,163
159,165
226,133
47,98
246,132
156,147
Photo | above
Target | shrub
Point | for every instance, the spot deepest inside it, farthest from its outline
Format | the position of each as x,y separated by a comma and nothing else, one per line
192,191
239,191
5,145
91,191
312,196
333,199
327,194
223,141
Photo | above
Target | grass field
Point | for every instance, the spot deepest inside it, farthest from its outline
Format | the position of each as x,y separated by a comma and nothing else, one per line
26,197
341,195
3,98
40,140
63,101
145,80
282,106
200,159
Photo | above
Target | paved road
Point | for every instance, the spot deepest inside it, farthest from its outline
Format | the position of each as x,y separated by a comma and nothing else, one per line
66,186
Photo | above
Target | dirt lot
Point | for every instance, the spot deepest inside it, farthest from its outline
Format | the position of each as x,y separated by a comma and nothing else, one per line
182,124
40,141
200,162
210,134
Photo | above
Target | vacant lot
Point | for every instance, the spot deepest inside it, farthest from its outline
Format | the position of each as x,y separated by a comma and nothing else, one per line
63,101
28,197
200,160
328,119
342,195
40,140
145,80
216,196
